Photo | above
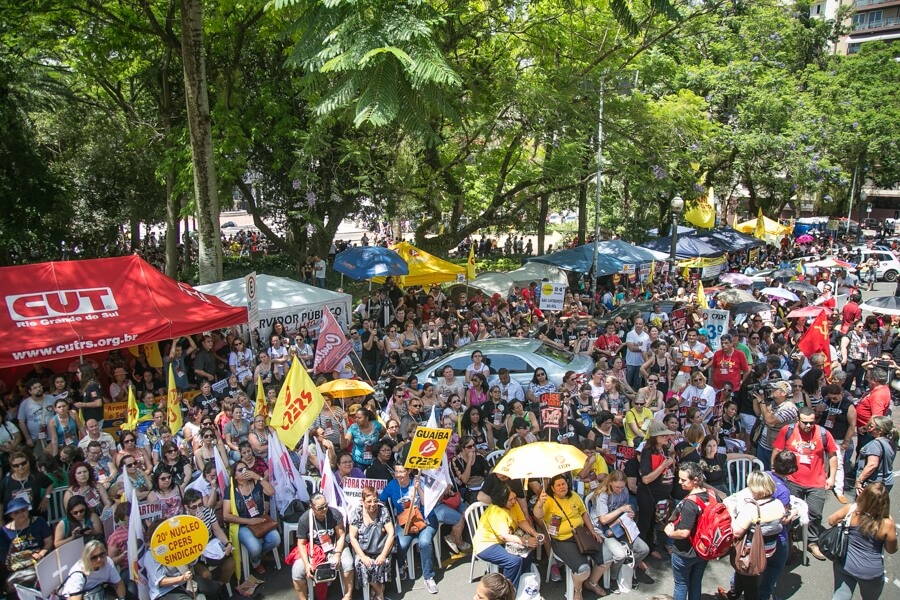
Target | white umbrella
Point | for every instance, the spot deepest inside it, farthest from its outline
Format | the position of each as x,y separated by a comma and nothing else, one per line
780,293
885,305
735,279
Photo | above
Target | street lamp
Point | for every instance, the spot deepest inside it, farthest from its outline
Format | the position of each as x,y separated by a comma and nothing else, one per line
862,200
676,206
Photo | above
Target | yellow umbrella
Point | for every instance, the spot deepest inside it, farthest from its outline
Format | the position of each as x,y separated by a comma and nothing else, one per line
540,459
346,388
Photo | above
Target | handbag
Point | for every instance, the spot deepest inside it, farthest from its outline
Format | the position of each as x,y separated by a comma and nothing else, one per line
748,556
586,542
834,542
453,500
411,519
260,530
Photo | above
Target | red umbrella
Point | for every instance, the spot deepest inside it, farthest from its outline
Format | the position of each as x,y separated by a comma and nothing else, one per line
808,311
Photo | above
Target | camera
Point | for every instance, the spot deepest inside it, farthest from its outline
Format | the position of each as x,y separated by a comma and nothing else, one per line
762,387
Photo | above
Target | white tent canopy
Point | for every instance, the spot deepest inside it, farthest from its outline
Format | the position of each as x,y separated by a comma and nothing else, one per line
534,271
293,303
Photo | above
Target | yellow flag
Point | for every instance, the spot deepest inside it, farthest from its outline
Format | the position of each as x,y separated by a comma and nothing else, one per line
701,295
686,273
133,412
173,409
760,231
233,531
261,407
703,212
652,272
298,405
151,351
470,265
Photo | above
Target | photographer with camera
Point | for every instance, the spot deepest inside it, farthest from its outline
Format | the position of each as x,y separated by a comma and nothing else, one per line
776,411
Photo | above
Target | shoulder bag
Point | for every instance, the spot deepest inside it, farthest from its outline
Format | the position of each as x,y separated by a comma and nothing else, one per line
834,542
587,544
748,556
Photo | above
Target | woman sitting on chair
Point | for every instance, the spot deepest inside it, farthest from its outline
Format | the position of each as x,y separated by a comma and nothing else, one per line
372,539
89,576
497,539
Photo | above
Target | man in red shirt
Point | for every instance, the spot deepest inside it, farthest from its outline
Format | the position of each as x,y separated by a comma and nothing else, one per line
851,313
873,404
728,365
812,445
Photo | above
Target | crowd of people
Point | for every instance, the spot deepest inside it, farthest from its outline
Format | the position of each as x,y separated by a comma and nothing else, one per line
660,418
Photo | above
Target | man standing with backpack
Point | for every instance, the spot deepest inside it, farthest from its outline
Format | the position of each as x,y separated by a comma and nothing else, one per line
813,445
700,532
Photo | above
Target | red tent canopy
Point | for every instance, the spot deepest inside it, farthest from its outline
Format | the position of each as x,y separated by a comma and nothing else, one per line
66,309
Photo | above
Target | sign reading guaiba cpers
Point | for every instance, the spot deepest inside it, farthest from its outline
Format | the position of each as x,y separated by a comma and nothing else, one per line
427,448
179,541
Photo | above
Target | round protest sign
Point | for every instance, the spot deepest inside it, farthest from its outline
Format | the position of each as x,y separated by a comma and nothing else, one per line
179,541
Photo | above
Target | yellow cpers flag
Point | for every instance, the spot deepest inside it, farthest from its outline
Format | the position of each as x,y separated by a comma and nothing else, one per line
701,295
173,409
261,407
652,272
470,265
132,413
760,231
298,405
703,213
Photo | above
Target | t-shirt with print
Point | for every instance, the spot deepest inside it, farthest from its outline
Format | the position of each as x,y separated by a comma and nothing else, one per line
555,512
323,533
809,451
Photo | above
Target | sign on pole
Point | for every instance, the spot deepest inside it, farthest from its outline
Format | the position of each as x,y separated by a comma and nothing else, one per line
252,300
353,487
427,448
179,541
716,323
553,296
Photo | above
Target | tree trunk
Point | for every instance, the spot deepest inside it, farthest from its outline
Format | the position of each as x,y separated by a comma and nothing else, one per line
135,234
200,125
173,231
544,208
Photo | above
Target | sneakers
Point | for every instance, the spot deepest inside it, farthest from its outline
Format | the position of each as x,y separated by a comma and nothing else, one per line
555,575
457,548
814,550
431,586
464,547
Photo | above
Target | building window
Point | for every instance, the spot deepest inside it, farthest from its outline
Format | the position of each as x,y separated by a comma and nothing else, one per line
853,48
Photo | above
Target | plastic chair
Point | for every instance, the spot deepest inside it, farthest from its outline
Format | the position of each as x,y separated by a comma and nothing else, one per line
55,508
570,585
245,560
473,517
494,457
738,469
289,530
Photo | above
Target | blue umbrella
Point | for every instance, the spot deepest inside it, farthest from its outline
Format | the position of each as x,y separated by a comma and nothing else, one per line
366,262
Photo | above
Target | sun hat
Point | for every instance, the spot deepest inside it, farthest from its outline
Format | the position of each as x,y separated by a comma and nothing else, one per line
657,428
16,504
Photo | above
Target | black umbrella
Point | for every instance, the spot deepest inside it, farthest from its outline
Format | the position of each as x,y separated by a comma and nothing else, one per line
746,308
802,286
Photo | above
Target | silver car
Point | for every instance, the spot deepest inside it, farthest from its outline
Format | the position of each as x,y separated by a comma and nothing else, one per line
520,356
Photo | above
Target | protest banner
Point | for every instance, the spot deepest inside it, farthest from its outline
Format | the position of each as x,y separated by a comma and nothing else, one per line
716,323
179,541
353,487
551,411
679,320
553,296
427,448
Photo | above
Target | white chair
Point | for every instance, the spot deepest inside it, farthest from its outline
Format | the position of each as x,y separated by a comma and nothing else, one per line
473,517
245,560
738,469
55,507
567,574
26,593
494,457
289,530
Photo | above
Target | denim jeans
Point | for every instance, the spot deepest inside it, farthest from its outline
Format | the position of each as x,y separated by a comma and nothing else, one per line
688,574
443,514
774,567
513,565
633,376
765,455
426,549
256,547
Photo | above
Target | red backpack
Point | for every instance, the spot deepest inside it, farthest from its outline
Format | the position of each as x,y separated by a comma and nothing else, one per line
712,537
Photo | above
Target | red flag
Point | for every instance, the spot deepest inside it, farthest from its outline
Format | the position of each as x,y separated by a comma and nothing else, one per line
816,340
332,345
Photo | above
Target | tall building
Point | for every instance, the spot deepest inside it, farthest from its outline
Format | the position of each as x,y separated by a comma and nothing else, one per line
869,21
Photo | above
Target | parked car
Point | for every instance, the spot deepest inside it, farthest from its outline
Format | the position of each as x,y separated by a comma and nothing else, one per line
520,356
888,265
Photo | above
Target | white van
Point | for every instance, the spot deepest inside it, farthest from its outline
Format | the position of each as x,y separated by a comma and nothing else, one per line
888,265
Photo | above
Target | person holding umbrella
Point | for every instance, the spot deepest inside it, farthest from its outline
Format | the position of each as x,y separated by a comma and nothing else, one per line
562,512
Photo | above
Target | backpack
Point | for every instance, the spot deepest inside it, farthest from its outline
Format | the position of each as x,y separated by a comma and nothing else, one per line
712,537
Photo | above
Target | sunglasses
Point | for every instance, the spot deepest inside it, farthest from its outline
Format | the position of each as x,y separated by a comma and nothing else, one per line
78,511
469,447
129,465
653,381
415,406
18,465
320,508
209,437
128,441
100,556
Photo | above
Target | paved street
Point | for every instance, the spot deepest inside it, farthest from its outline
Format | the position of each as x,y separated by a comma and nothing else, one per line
811,582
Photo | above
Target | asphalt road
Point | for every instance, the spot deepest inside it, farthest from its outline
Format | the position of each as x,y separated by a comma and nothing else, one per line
798,582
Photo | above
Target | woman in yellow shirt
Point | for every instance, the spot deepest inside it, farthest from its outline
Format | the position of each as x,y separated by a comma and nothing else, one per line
497,527
637,420
561,513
